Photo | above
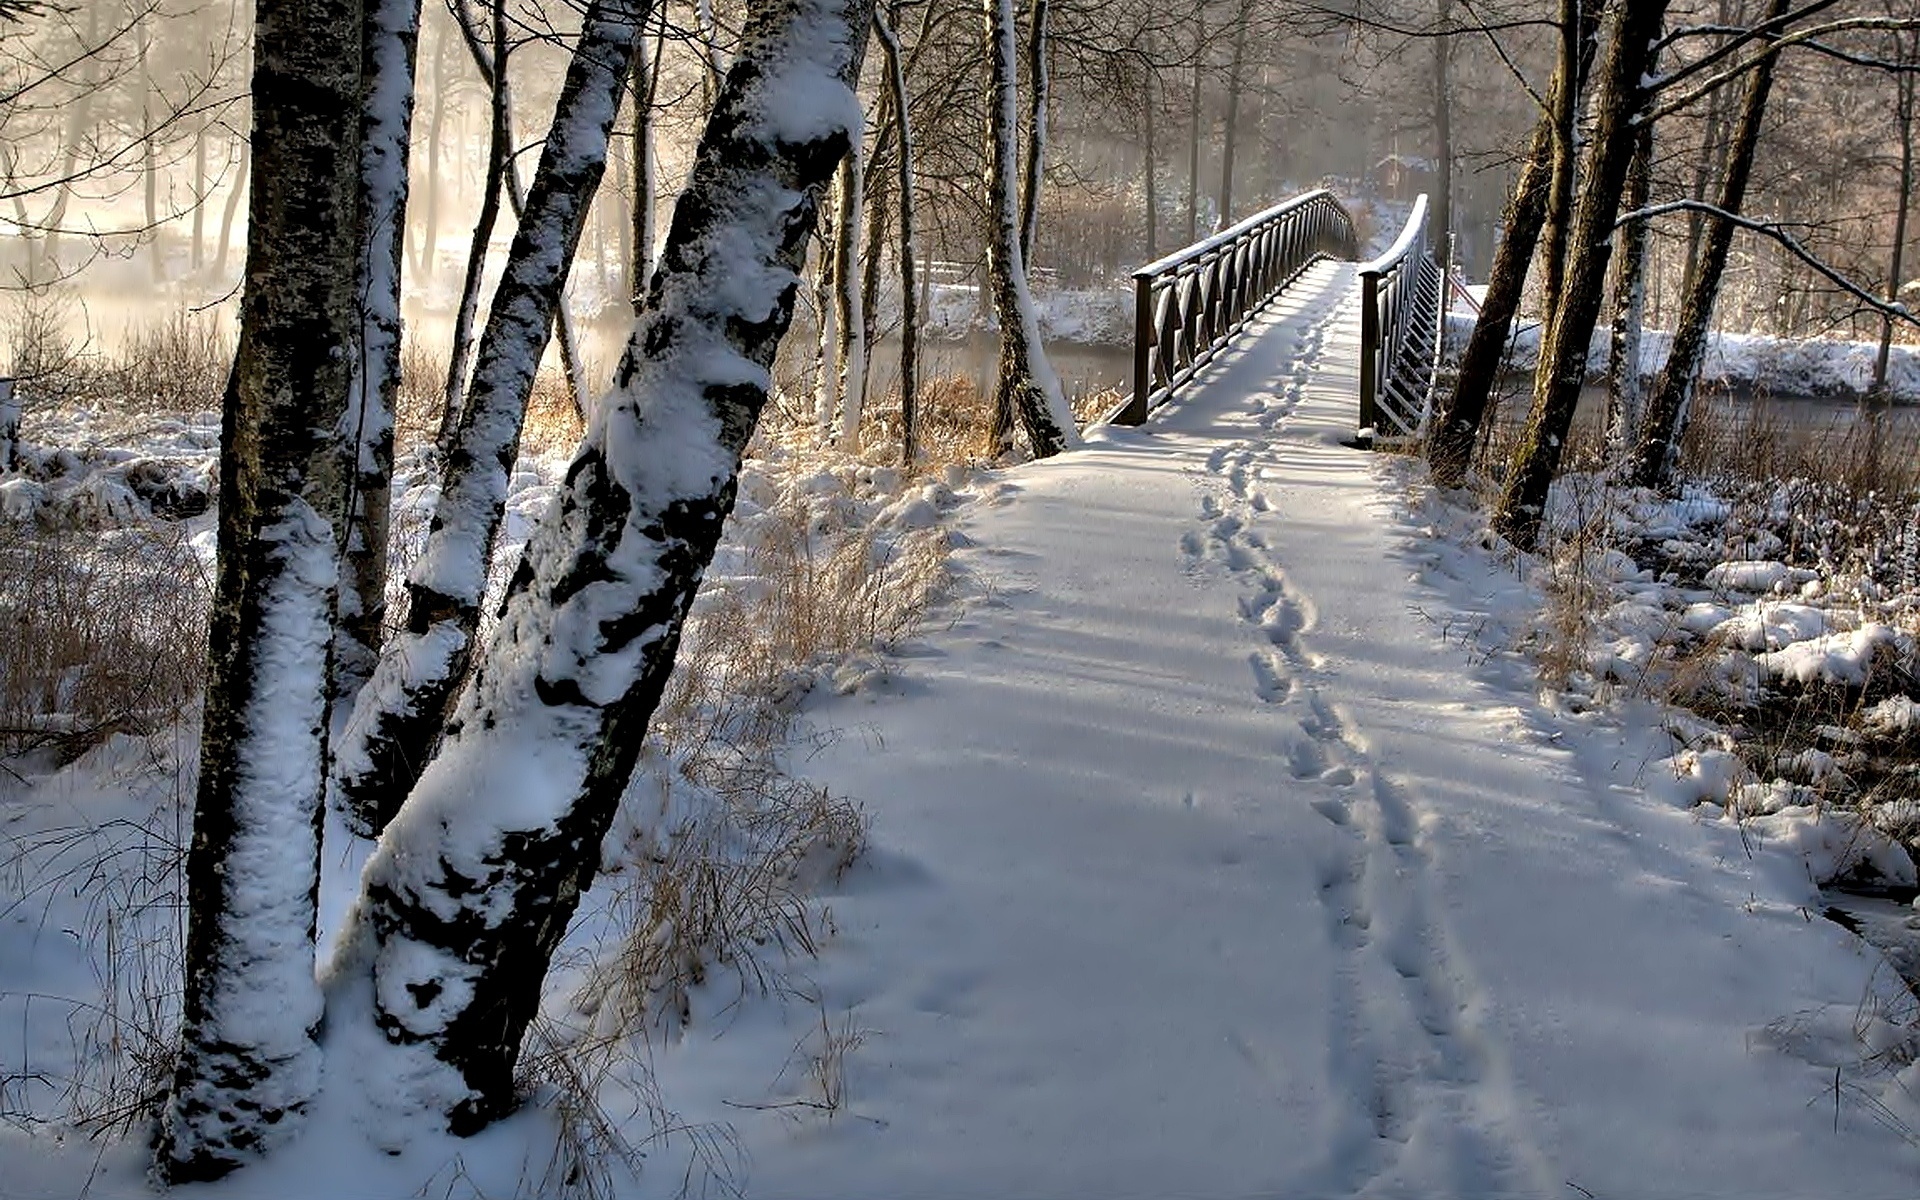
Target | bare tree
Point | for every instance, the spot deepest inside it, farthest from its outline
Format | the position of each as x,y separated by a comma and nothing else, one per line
391,734
473,884
248,1064
1621,101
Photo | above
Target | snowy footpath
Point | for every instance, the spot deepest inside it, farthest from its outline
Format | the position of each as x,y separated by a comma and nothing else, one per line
1215,854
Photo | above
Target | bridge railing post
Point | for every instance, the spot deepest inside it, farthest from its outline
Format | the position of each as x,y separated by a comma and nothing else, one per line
1369,352
1143,338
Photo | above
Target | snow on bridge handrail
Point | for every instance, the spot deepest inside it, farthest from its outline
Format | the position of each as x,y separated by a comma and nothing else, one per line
1189,303
1401,294
1414,231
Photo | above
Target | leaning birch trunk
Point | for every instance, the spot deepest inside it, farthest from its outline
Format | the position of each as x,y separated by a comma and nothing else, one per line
646,77
1034,169
386,122
390,736
909,294
1562,369
1654,456
473,885
1451,450
499,149
1026,387
248,1063
850,348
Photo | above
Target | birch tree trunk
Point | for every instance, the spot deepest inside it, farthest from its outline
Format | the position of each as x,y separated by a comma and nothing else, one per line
1653,457
475,881
493,71
909,253
1626,397
391,734
386,123
850,348
1451,449
1026,388
1034,171
646,79
1563,352
248,1064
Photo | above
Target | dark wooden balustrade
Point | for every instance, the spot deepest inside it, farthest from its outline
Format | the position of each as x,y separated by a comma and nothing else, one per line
1188,304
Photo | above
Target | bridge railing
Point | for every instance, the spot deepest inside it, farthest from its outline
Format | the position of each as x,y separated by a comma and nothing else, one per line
1401,293
1189,303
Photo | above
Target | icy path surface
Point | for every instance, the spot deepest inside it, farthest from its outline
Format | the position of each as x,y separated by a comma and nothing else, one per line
1210,861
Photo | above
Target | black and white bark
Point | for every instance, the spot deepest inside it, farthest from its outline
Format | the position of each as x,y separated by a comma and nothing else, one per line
1025,389
248,1062
1450,450
386,122
1656,450
398,717
1626,394
473,885
1034,164
850,345
908,252
646,171
493,70
1562,369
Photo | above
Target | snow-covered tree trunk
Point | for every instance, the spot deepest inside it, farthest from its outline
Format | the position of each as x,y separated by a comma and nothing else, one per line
493,71
1562,369
248,1063
909,292
1450,450
820,368
1034,166
386,122
473,885
1026,388
646,177
850,348
391,734
1659,441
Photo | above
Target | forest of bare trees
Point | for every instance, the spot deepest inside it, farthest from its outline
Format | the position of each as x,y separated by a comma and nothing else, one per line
715,175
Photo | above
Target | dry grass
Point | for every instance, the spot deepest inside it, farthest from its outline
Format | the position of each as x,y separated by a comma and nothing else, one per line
730,845
123,878
105,632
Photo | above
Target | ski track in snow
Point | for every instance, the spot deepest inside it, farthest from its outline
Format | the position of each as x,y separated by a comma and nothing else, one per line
1407,1047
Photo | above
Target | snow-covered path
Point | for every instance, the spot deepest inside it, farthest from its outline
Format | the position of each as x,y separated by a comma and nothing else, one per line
1212,859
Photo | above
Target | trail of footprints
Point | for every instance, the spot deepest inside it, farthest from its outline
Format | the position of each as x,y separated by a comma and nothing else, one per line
1395,976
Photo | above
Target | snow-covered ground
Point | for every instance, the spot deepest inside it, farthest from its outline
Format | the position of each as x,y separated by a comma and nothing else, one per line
1222,842
1741,361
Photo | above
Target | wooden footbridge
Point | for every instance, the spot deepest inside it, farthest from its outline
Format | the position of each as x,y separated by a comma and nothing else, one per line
1191,303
